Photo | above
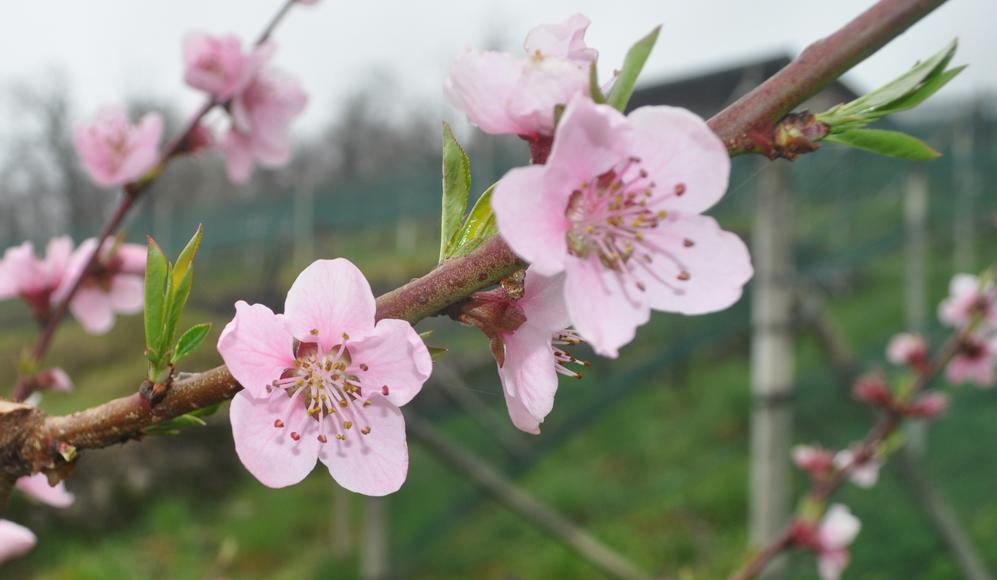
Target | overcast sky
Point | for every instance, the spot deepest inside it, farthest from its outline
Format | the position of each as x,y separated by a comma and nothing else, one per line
110,48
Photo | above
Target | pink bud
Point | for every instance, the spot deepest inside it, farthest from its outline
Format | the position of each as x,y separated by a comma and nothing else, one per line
873,390
929,405
907,349
815,460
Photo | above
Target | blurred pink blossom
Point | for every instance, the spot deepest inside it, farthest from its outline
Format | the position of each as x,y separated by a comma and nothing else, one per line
261,118
323,382
976,362
219,66
114,285
37,487
968,298
502,93
617,209
15,540
815,460
872,389
929,405
907,349
864,474
115,152
837,530
24,276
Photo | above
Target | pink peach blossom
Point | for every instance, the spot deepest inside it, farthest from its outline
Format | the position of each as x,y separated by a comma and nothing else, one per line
929,405
967,298
115,152
15,540
617,209
534,353
502,93
114,285
815,460
976,362
864,474
36,486
837,530
219,66
24,276
323,382
907,349
261,118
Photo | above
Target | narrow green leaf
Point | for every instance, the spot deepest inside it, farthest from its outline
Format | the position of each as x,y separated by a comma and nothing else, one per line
156,269
190,340
456,188
186,258
181,280
594,89
479,226
633,63
930,87
907,82
436,352
889,143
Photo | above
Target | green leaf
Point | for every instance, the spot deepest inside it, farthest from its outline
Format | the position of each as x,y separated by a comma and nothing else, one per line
479,226
156,269
456,188
186,259
181,280
633,63
190,340
436,351
930,87
594,89
889,143
901,94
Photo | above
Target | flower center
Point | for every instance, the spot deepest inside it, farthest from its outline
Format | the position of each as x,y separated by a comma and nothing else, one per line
611,217
330,389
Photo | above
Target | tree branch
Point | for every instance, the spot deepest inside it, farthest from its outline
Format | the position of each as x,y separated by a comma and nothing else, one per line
35,444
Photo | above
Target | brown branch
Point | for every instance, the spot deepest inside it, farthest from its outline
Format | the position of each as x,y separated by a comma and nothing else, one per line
34,443
131,192
748,125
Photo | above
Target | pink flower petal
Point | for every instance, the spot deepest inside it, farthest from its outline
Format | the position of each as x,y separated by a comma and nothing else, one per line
521,418
838,528
565,39
238,156
144,148
680,153
270,453
257,347
373,464
132,258
604,312
543,301
831,564
544,85
528,374
15,540
706,276
480,85
127,293
590,140
92,308
395,356
333,298
38,488
533,223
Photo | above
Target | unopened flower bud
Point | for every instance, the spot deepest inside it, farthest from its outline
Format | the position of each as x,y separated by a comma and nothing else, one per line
908,349
815,460
873,390
929,405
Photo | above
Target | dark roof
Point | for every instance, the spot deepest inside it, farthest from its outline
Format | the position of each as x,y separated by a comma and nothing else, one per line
708,93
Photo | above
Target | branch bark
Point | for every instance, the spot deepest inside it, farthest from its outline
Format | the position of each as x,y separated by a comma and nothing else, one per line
34,443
